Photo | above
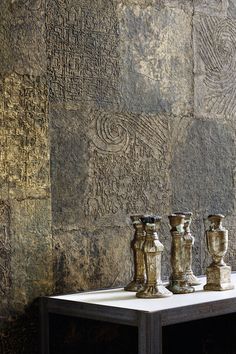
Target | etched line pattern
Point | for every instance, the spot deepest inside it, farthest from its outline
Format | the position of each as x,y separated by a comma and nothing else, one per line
232,9
111,134
24,126
128,164
113,131
218,7
83,60
217,49
5,250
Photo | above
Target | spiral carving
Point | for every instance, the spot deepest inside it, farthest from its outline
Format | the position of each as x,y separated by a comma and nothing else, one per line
114,132
111,134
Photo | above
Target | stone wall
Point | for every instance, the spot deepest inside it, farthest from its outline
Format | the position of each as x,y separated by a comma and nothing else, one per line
135,102
26,270
120,81
207,152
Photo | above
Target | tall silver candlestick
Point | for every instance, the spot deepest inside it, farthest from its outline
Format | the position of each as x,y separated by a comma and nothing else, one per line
188,250
178,280
139,278
153,249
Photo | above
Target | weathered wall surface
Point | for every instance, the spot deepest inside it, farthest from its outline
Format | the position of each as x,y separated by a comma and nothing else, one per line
140,96
120,80
25,198
207,151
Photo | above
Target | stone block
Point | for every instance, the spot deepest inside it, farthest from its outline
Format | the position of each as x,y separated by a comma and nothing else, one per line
156,58
201,177
31,258
215,67
91,260
109,165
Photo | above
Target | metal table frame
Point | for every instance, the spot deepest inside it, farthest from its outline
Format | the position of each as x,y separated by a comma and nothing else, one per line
149,323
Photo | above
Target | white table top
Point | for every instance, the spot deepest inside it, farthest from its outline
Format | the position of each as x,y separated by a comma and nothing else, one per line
127,300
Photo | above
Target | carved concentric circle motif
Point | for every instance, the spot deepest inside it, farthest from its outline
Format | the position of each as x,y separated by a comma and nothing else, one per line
111,133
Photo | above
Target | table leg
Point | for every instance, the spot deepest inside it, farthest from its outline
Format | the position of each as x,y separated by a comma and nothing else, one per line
150,334
44,335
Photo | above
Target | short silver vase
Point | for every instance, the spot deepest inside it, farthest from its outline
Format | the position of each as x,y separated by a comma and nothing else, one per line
218,273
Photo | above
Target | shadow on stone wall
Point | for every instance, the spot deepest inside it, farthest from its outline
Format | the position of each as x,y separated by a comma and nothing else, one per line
202,178
20,334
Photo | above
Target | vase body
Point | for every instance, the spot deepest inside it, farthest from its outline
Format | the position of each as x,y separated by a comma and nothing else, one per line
188,251
178,281
139,277
218,273
153,249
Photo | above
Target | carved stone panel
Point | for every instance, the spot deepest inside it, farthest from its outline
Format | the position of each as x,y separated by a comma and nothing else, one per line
25,209
115,164
24,155
215,67
128,163
82,50
25,204
108,165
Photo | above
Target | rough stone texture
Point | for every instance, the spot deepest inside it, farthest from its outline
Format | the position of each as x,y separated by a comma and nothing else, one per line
140,95
24,177
206,157
92,259
22,37
113,92
24,170
214,29
6,252
120,159
82,51
215,66
25,197
152,80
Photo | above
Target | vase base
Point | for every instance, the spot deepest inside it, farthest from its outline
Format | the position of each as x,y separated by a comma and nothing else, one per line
154,292
135,286
218,278
180,287
192,280
218,287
